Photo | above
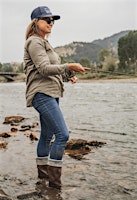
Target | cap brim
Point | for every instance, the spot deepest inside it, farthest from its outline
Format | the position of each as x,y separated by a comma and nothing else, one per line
55,17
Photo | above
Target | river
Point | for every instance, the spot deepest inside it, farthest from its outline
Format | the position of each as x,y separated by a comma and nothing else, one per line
102,111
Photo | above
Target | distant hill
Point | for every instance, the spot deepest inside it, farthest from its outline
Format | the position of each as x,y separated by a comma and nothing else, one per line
90,50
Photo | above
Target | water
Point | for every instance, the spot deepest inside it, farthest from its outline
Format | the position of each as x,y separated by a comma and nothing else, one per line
102,111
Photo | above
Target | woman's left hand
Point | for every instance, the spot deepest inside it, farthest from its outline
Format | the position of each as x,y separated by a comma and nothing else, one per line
73,79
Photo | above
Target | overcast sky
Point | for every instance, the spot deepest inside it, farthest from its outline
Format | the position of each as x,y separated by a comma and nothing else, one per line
81,20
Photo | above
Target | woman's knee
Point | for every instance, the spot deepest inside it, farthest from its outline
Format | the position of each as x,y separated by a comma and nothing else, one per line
65,136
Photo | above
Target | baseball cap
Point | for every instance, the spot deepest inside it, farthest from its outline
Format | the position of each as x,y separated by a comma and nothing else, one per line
43,11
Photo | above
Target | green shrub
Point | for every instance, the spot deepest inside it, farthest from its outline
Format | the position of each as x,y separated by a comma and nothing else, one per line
109,64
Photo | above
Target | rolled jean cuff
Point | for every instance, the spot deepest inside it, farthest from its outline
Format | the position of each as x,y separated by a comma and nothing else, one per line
55,163
42,160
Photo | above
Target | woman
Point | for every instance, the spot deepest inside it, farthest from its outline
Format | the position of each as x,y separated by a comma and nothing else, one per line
44,86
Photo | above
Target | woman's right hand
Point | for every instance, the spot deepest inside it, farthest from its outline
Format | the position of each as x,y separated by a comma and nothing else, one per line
77,67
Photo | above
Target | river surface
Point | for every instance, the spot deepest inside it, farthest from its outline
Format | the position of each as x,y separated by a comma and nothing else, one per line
102,111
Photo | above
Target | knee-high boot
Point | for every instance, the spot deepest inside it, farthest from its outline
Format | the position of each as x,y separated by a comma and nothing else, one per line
54,172
42,165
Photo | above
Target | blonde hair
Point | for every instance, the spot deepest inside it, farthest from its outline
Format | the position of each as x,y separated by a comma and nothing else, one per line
32,29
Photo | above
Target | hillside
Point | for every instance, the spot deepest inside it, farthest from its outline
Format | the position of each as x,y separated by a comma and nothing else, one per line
90,50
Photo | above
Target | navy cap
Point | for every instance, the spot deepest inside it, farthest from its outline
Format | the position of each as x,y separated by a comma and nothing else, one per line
43,11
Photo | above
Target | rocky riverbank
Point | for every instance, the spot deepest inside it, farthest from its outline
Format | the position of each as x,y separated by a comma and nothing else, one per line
75,148
18,126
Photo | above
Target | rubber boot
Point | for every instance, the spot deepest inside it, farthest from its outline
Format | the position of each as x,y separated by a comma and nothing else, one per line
43,171
42,165
54,172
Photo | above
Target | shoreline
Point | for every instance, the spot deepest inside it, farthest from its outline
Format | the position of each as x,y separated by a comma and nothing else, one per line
123,80
84,80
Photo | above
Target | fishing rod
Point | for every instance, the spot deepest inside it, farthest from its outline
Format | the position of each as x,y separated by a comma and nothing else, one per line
110,72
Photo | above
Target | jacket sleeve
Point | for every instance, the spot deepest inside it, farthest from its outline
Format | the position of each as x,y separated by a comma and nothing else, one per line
39,57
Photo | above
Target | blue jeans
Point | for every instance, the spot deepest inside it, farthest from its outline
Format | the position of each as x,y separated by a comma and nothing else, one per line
52,123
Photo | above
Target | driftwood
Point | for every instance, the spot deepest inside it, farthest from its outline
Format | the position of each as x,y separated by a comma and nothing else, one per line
15,124
77,148
13,119
78,143
32,135
25,128
28,127
14,129
7,134
35,124
3,144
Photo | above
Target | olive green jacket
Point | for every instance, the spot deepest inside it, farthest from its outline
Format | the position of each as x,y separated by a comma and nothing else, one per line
43,69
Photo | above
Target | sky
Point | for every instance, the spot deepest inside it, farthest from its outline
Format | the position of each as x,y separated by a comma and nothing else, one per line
81,21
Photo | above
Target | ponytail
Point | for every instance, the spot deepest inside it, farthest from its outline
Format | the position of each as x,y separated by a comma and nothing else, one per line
32,29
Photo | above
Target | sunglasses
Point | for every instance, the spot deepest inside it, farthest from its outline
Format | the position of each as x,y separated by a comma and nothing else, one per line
48,20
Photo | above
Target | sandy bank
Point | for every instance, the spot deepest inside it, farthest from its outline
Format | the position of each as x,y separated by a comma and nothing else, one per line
122,80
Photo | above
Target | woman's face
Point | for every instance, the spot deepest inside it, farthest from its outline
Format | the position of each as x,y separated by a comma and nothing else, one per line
45,25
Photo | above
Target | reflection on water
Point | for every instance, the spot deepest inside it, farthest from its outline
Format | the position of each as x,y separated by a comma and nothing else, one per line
95,111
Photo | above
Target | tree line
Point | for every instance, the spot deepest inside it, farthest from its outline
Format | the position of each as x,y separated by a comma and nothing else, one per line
11,67
123,59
